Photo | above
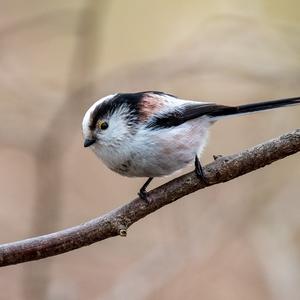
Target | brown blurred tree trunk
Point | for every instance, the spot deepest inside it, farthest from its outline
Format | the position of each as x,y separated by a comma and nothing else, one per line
50,151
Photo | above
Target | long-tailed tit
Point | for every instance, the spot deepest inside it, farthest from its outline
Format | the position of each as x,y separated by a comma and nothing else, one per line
153,134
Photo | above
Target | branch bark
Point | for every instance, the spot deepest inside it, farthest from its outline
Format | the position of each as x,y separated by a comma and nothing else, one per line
118,221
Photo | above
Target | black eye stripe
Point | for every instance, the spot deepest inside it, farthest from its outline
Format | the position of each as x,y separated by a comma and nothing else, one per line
131,100
110,106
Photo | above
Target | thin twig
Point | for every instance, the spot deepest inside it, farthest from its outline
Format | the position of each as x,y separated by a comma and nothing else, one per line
117,221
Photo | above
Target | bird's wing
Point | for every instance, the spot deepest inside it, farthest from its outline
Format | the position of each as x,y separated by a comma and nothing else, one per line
183,113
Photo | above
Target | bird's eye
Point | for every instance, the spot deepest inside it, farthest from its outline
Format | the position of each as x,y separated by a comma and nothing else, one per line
102,125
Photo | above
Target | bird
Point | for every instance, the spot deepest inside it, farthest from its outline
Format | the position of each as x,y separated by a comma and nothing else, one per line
154,134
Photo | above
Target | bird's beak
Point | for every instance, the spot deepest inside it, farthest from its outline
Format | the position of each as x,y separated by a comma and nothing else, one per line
89,142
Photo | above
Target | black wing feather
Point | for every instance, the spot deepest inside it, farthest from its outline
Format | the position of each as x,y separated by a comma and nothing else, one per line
187,112
192,111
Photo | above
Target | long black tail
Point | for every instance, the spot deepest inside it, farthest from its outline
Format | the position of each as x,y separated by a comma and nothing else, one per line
224,111
196,110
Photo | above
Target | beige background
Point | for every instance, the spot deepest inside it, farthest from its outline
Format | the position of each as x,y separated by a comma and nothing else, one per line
239,240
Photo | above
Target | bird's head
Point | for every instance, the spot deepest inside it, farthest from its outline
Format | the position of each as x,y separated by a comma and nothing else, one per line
110,121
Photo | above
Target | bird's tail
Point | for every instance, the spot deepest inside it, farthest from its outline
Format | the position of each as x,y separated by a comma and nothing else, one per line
223,112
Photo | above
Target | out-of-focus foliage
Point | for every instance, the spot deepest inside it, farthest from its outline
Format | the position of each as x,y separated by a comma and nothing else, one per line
239,240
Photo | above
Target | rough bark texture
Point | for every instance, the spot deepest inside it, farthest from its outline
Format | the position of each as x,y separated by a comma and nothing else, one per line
117,221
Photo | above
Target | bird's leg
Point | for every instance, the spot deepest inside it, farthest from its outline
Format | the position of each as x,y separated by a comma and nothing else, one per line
143,193
216,157
199,171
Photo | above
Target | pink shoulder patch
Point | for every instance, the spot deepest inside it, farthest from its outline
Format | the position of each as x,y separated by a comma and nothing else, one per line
150,105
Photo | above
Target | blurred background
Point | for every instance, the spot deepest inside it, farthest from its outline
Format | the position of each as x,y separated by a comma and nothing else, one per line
239,240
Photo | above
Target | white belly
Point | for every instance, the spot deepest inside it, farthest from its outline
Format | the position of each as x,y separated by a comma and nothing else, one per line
155,153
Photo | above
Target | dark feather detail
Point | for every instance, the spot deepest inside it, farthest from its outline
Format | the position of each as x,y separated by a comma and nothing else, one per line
131,100
266,105
254,107
185,113
108,107
192,111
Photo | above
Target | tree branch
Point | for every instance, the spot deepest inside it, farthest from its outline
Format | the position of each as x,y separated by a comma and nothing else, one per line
117,221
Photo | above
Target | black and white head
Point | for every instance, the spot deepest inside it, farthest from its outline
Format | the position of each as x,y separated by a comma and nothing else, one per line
107,121
115,118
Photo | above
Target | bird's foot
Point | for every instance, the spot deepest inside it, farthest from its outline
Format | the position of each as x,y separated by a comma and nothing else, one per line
217,156
143,195
199,171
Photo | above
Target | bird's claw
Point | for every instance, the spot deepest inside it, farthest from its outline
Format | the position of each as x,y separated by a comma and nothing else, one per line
143,195
217,156
199,171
